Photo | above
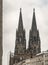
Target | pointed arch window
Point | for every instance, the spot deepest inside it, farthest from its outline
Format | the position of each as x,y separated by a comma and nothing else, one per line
34,38
34,49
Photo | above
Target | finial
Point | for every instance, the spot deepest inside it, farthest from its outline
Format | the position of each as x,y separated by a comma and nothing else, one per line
33,9
20,9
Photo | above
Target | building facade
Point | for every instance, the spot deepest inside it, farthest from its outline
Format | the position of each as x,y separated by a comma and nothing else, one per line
34,38
39,59
20,52
0,32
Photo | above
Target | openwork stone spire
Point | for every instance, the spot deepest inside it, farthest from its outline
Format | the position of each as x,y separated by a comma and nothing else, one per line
20,45
20,51
34,26
20,26
34,38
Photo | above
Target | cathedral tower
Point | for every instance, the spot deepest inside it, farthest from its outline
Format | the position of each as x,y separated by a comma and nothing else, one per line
34,39
20,52
20,44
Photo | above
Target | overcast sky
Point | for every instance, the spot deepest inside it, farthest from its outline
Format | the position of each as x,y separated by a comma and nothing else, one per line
11,10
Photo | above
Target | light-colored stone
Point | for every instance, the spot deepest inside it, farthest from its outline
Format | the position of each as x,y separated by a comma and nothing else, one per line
39,59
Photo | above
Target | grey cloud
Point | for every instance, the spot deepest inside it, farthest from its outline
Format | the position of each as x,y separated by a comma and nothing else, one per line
45,2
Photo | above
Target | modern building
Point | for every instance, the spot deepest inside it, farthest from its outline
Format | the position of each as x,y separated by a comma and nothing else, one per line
0,32
20,52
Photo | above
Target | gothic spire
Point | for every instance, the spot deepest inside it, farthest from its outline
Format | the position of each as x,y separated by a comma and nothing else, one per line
10,59
20,26
34,26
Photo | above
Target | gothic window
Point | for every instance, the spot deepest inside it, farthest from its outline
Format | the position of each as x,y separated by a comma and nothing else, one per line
34,38
38,42
16,51
31,50
20,39
17,40
37,50
34,49
21,34
31,43
24,40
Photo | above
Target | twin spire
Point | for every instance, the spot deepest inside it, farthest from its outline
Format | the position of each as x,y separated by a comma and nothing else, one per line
34,26
20,26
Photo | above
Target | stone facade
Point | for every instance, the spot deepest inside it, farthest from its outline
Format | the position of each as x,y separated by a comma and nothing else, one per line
20,52
34,38
39,59
0,32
